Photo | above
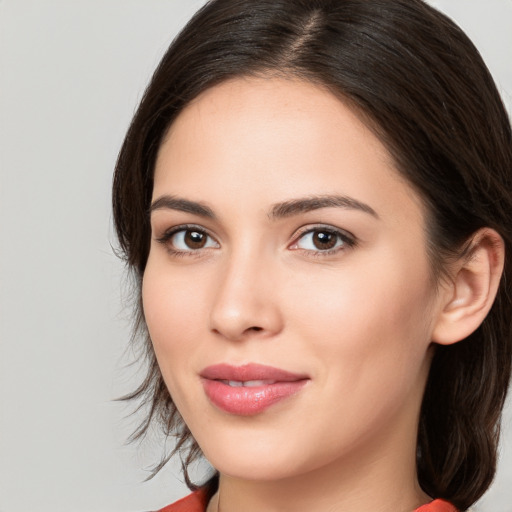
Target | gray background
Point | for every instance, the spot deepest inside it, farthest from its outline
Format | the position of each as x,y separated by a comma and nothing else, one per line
71,74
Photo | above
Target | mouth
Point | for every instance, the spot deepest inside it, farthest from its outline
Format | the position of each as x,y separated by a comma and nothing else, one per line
249,389
248,383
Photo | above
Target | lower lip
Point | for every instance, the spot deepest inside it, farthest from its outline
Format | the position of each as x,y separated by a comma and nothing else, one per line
247,401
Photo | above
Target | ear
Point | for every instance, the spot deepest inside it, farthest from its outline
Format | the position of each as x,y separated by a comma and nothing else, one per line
468,296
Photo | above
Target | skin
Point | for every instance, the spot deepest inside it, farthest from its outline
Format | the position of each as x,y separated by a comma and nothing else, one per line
357,320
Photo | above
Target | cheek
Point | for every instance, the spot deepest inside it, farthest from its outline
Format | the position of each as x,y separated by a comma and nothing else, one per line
372,319
172,309
173,315
367,335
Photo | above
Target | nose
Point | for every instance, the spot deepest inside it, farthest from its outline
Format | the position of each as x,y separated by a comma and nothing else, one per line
245,303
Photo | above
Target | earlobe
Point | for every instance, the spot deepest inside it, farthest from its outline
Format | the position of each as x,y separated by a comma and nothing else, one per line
468,297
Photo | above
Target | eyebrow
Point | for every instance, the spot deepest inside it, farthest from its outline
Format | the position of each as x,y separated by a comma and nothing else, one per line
307,204
277,211
182,205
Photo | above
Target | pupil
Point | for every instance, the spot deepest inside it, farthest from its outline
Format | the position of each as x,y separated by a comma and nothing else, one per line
195,240
324,240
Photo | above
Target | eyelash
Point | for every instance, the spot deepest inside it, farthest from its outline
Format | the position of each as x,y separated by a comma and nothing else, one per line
347,240
167,236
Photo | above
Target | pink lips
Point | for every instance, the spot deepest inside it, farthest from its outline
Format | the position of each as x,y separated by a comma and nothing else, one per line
249,389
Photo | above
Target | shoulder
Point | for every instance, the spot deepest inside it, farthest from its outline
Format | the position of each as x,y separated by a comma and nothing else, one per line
195,502
437,506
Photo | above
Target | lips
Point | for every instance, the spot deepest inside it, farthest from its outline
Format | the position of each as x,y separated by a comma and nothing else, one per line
249,389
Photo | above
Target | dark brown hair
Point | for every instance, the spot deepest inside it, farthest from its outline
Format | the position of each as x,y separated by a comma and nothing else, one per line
422,86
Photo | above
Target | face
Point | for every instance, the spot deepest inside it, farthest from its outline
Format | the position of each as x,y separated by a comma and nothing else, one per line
287,292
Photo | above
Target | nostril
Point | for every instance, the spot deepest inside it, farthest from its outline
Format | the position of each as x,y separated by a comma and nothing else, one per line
256,329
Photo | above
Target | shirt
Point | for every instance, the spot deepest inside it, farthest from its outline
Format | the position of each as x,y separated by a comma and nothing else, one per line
197,501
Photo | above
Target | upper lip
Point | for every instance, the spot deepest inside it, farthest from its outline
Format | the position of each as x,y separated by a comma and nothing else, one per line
249,372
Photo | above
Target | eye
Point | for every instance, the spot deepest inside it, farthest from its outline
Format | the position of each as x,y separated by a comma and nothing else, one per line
188,239
325,240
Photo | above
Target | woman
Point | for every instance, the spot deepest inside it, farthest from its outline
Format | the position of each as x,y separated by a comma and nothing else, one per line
315,199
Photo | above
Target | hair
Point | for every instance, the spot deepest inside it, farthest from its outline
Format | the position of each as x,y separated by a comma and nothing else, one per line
417,80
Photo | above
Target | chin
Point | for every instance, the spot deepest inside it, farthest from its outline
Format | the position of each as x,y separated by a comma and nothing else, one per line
247,455
263,456
256,470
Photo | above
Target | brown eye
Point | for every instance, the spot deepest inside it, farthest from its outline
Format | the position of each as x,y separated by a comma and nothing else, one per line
195,239
323,240
189,239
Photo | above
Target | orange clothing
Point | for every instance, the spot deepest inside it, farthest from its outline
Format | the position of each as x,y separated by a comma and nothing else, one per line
437,506
197,501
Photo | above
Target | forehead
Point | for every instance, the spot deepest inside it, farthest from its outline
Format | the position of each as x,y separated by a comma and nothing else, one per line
263,140
289,108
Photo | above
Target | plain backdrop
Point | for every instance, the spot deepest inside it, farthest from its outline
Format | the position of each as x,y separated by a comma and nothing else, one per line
71,75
